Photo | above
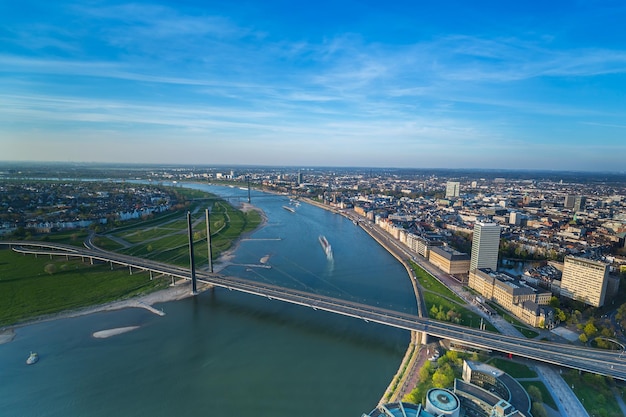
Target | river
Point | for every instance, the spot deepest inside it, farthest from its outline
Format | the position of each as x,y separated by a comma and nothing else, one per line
226,353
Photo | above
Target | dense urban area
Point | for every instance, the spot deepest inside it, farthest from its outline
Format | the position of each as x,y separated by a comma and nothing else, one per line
545,248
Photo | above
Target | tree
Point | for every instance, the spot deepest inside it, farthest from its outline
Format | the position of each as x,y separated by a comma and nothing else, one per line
590,329
443,377
554,302
535,394
538,410
414,396
583,338
50,268
425,371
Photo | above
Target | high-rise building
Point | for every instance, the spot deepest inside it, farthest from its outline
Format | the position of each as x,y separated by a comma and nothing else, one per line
585,280
569,201
579,203
453,189
485,245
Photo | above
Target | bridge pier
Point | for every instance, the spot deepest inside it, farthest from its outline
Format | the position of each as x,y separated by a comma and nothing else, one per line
130,269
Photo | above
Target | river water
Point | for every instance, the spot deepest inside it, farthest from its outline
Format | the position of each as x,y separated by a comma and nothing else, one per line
226,353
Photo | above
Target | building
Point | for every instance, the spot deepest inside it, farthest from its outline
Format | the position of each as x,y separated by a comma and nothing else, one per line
453,189
528,304
515,218
569,201
485,245
488,391
450,261
579,203
585,280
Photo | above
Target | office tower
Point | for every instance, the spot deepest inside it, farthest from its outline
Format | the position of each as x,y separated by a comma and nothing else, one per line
569,201
452,189
300,178
579,203
585,280
485,245
515,218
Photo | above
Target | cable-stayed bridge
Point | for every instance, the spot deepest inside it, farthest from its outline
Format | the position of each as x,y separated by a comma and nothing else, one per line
604,362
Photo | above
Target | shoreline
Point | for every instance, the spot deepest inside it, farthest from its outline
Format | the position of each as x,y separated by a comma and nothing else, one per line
413,350
180,290
177,292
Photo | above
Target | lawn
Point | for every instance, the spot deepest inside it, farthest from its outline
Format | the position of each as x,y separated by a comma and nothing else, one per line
594,392
31,287
545,394
168,240
439,296
515,369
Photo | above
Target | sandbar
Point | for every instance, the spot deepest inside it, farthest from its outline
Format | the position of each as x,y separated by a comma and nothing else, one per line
103,334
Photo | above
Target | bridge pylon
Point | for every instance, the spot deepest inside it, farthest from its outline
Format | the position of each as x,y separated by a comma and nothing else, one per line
192,263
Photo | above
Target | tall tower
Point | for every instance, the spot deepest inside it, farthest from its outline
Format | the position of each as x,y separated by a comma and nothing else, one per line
452,189
579,203
485,244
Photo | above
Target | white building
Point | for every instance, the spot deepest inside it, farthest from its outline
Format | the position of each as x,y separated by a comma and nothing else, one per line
485,244
453,189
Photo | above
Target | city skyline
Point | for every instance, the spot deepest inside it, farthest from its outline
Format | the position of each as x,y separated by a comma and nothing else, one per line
515,86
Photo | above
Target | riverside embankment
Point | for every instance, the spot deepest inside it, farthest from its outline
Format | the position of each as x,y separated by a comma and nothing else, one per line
411,362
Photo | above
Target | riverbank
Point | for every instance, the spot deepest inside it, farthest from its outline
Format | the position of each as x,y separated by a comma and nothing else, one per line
182,289
410,363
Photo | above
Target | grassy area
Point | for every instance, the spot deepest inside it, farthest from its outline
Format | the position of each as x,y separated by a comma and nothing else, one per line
31,287
441,297
167,240
428,282
545,393
69,237
594,392
515,369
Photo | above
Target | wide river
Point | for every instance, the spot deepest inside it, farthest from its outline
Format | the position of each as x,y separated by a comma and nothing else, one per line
223,353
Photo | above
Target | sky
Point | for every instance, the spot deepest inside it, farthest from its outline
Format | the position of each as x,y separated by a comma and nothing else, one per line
416,84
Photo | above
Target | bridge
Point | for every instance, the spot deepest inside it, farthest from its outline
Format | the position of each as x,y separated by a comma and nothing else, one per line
603,362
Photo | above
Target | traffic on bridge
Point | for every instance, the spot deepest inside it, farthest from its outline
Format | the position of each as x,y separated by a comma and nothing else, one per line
603,362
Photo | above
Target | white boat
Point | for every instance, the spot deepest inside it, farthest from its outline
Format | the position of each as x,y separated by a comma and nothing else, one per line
328,250
289,209
34,357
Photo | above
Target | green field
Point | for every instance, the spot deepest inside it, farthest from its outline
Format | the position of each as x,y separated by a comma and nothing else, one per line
594,392
516,370
167,240
34,286
545,394
438,295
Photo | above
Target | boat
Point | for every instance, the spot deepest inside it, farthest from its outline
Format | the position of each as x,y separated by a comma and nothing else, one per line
328,250
289,209
34,357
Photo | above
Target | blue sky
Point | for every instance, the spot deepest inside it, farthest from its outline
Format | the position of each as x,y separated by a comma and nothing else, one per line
528,85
